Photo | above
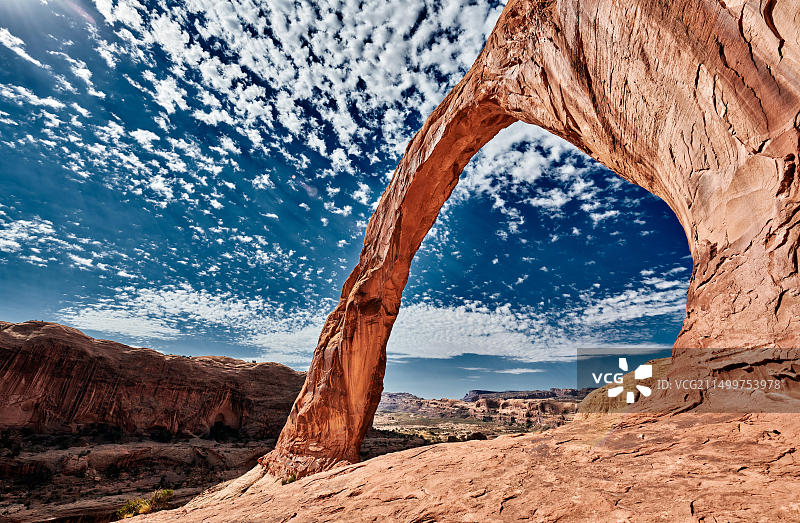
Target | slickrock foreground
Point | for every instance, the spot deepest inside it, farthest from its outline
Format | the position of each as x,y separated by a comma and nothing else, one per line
697,101
688,467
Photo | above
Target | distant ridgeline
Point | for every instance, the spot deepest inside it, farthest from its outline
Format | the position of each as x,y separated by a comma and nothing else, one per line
553,393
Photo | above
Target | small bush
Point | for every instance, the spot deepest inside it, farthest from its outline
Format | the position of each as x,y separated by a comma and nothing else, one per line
290,479
133,507
158,501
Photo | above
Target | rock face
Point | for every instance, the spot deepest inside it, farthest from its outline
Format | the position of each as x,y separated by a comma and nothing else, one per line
688,467
55,379
697,101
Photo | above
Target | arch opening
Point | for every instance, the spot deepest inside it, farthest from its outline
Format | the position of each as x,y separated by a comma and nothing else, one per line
547,63
535,289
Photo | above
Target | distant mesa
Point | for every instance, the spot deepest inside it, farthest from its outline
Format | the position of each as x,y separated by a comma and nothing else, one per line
553,393
496,414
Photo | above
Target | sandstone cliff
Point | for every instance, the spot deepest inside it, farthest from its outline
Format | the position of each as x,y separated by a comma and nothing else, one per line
697,101
56,379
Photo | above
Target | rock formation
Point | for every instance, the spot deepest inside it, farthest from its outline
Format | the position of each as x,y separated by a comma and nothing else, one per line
56,379
697,101
689,467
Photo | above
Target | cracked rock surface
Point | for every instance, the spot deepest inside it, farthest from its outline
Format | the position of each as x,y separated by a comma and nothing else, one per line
685,467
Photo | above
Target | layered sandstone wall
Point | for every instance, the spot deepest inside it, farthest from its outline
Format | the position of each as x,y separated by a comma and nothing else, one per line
56,379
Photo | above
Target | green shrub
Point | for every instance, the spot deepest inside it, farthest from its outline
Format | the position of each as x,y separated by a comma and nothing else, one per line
158,501
161,499
290,479
132,508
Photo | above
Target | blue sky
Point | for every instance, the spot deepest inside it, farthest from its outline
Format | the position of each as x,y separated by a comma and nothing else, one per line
196,177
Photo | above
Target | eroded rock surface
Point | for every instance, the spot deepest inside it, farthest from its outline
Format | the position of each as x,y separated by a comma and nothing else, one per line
697,101
55,379
688,467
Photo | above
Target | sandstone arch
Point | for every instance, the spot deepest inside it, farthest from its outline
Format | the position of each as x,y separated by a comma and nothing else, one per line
697,101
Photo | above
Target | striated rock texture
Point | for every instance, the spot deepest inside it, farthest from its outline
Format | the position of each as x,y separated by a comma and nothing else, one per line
688,467
56,379
697,101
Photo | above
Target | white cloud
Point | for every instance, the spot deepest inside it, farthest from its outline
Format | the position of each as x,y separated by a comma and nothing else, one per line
637,303
178,310
213,117
108,52
145,137
83,112
361,194
17,45
15,235
263,181
344,211
160,185
429,331
79,261
21,94
169,95
125,323
597,217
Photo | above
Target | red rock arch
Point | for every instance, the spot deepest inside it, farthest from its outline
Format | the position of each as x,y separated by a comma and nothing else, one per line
697,101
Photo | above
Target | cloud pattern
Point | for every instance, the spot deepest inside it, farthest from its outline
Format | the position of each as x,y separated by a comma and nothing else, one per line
176,171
